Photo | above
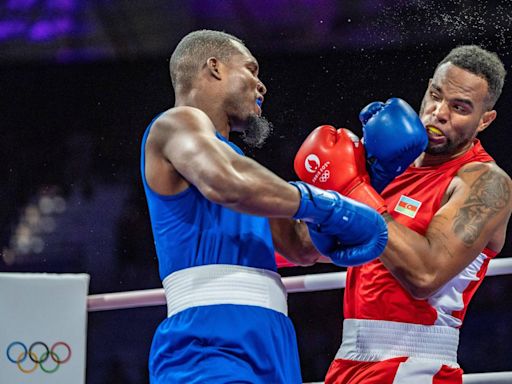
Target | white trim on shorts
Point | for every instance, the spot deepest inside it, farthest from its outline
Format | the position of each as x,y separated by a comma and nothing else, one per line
377,340
224,284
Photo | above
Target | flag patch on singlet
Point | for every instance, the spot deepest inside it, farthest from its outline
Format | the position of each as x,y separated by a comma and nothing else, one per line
407,206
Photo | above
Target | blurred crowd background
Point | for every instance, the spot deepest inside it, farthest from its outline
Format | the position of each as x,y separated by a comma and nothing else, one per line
80,80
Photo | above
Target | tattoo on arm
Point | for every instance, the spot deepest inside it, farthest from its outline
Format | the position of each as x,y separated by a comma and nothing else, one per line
488,195
475,168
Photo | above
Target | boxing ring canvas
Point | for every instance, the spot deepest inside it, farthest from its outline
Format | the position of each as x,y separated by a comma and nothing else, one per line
43,322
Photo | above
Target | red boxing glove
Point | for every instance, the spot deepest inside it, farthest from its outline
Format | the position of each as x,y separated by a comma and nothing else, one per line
335,159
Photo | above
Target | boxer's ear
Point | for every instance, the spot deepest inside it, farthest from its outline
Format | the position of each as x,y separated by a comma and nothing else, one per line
487,118
213,65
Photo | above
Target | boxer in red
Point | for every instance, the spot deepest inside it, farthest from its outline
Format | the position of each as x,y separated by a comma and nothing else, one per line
447,216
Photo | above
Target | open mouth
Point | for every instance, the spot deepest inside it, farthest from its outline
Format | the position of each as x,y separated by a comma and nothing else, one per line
435,135
434,132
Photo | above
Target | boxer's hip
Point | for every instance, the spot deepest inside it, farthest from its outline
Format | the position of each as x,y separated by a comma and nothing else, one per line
224,284
376,340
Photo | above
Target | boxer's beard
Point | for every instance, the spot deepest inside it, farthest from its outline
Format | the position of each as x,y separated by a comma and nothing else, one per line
256,131
440,150
449,148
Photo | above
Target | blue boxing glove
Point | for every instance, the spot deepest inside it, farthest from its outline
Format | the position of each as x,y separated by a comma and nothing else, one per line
394,137
348,232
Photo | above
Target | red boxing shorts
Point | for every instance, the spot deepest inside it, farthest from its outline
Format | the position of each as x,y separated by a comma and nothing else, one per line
399,370
387,352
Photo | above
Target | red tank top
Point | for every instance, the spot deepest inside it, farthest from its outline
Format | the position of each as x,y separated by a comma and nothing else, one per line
412,199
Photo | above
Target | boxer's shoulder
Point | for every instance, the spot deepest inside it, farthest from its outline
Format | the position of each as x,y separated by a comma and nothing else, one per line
486,182
180,124
483,174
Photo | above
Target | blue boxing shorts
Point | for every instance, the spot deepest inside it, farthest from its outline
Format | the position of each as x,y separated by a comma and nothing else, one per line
205,340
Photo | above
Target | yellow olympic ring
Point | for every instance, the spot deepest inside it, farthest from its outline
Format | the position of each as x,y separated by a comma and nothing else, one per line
20,359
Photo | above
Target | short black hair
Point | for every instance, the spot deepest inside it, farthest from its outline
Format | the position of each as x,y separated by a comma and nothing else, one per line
480,62
193,51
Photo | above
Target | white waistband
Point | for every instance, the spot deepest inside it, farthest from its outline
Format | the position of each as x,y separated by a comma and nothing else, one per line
376,340
224,284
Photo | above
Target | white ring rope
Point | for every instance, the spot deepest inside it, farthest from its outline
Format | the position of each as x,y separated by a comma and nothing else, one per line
304,283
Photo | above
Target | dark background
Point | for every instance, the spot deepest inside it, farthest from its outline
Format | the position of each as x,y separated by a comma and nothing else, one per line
80,81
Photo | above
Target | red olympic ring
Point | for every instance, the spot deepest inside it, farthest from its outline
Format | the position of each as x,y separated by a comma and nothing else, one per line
66,346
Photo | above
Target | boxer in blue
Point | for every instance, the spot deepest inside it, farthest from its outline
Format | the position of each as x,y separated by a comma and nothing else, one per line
210,207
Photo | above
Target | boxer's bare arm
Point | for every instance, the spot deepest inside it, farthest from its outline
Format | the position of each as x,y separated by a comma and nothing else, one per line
474,216
183,139
291,239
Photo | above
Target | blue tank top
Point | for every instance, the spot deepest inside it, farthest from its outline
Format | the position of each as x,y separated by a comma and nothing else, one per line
189,230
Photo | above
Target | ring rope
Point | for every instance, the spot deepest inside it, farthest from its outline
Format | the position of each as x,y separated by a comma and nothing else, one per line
303,283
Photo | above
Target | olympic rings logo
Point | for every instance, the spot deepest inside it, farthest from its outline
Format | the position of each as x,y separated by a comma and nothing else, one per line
39,355
325,176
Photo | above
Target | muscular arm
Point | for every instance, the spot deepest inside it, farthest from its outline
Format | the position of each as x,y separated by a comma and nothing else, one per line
474,216
185,138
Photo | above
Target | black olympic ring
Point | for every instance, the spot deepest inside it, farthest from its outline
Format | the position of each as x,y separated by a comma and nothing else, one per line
38,361
46,354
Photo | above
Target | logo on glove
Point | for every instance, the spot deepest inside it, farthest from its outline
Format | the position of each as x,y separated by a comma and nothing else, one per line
324,176
312,163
